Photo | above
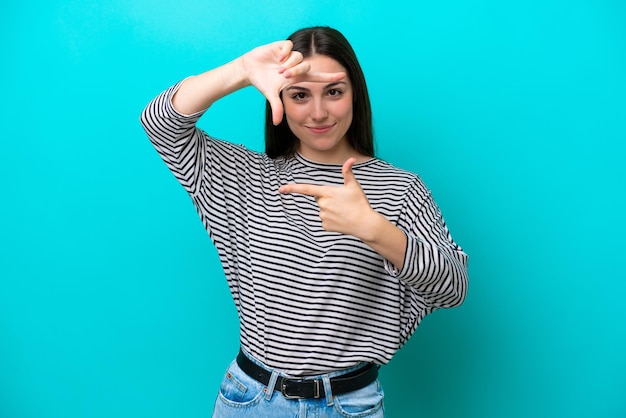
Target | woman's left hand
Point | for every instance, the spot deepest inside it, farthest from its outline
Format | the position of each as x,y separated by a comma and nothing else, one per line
343,209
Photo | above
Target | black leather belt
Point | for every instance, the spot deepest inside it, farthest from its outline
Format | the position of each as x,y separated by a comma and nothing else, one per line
310,388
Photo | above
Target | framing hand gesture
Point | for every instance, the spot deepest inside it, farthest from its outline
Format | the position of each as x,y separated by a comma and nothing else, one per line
272,67
269,68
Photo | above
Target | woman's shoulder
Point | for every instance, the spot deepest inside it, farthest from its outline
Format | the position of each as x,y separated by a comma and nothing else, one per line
235,149
382,168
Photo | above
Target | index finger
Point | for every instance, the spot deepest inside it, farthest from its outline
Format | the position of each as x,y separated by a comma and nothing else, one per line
324,77
305,189
301,72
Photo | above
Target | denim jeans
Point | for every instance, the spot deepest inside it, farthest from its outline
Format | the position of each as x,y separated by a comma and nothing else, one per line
242,396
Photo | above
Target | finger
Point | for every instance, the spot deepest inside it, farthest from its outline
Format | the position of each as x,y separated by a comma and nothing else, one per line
277,109
324,77
285,49
299,74
295,64
305,189
346,171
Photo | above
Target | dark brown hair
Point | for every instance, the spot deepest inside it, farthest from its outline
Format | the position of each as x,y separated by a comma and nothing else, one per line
321,40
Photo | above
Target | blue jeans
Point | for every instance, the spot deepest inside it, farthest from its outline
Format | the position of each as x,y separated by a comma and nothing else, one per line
242,396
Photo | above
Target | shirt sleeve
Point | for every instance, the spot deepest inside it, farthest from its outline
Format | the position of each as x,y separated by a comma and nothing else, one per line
212,171
176,138
434,265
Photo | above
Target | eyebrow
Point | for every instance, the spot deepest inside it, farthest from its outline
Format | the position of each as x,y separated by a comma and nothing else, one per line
327,86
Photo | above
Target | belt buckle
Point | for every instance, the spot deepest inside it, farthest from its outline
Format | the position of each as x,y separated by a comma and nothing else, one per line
316,388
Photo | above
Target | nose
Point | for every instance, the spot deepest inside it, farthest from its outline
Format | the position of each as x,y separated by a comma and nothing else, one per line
318,110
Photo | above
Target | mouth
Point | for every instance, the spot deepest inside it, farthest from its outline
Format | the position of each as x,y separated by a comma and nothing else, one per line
322,129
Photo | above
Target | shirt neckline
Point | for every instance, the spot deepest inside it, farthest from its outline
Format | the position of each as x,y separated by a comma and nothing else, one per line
330,166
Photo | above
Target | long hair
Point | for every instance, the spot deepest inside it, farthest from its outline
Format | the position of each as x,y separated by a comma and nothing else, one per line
321,40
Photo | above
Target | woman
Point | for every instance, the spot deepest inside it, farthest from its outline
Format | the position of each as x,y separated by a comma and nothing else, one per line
332,256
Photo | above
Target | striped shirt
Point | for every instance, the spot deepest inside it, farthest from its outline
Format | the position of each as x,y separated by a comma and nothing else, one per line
310,301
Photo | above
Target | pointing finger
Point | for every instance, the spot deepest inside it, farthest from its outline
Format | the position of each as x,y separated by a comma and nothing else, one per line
305,189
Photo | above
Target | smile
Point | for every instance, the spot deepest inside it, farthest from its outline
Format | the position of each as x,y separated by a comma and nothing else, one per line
320,129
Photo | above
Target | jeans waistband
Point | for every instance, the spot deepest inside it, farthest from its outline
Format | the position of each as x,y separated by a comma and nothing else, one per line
309,387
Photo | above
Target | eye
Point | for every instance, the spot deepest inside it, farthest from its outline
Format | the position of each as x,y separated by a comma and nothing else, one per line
334,92
298,97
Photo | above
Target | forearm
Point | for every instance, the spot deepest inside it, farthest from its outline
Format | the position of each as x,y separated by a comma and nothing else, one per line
199,92
386,239
439,272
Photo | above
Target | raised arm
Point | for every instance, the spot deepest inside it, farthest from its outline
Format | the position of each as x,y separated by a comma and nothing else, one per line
269,68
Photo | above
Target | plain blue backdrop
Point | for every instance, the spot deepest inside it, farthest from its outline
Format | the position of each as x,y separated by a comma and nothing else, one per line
112,300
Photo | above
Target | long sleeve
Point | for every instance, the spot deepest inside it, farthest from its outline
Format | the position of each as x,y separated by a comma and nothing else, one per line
176,139
309,300
435,266
208,169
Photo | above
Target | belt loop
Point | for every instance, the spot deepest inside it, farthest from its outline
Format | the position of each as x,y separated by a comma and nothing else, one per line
328,390
271,385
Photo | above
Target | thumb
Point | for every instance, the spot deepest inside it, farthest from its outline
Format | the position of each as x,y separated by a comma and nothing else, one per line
277,109
346,171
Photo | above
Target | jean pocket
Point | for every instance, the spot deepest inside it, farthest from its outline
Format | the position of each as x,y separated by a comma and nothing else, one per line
365,402
240,390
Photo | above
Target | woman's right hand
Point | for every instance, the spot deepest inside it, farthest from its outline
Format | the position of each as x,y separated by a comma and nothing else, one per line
272,67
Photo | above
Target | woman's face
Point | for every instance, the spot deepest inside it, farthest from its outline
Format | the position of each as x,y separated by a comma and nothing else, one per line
319,114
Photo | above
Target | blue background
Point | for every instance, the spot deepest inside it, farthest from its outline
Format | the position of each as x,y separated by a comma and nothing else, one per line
112,301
